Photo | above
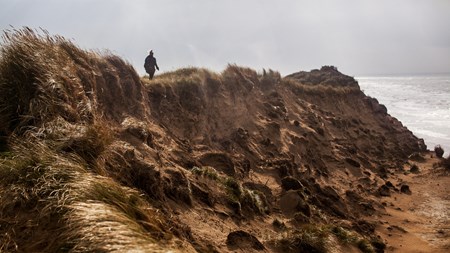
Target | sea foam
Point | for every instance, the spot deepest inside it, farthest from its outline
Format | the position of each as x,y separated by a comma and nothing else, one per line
421,103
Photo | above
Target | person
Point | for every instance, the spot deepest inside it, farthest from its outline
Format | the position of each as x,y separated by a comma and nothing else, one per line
150,65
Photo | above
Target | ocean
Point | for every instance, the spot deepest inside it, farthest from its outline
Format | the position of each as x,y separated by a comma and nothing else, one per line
421,103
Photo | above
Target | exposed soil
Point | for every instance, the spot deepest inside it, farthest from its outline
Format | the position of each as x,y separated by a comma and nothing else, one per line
419,222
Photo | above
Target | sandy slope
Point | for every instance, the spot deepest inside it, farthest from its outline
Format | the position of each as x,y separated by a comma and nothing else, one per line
419,222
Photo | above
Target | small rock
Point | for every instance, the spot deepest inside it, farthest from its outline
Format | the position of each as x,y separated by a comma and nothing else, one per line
279,225
367,206
220,161
352,162
383,172
292,202
384,191
414,169
203,195
243,240
405,189
290,183
400,229
320,131
390,228
389,184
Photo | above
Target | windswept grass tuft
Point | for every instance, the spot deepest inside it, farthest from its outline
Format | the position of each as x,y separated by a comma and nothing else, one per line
32,82
255,200
206,171
43,77
300,88
318,238
90,143
240,79
235,192
309,238
233,187
268,79
52,203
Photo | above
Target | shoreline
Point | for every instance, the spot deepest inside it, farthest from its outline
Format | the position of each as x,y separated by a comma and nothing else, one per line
418,101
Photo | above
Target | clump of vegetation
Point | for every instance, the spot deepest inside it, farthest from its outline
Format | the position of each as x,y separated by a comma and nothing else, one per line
439,151
316,238
43,77
269,79
206,171
255,200
365,246
309,238
233,188
90,143
344,236
240,79
32,88
236,194
252,199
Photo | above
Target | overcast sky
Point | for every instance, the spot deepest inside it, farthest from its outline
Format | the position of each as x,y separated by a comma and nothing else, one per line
360,37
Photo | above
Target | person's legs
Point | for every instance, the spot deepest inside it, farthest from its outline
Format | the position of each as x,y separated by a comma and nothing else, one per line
151,73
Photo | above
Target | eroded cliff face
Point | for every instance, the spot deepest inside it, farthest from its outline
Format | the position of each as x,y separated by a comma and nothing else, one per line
316,119
207,161
310,143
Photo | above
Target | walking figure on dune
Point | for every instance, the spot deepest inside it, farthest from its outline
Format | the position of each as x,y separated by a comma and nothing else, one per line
150,65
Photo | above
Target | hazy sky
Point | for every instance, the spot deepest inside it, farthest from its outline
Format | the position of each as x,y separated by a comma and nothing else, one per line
360,37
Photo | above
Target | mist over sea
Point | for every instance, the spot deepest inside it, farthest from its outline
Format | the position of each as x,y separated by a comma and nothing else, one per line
421,103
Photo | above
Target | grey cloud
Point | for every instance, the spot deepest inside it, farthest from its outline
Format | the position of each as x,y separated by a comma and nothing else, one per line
360,37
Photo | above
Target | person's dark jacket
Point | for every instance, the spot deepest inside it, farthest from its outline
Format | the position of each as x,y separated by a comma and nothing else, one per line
150,64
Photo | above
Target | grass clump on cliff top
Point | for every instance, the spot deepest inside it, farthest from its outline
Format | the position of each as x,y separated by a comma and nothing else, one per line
32,81
43,77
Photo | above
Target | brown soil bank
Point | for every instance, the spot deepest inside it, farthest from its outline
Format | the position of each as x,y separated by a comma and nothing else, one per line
93,158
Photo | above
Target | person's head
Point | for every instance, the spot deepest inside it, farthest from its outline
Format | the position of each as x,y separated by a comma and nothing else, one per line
150,52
